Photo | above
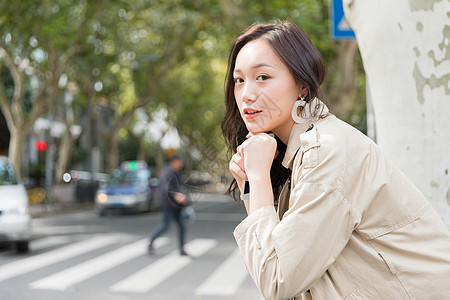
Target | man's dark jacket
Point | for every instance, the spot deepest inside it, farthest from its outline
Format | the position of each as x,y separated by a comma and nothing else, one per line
170,183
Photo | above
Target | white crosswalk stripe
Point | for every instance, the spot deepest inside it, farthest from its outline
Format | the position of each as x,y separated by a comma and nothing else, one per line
232,272
162,268
48,242
65,279
38,261
224,281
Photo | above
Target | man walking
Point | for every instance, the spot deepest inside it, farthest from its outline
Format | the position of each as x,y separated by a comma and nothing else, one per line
172,201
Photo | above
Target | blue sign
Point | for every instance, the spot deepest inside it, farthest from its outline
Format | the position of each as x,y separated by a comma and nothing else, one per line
340,29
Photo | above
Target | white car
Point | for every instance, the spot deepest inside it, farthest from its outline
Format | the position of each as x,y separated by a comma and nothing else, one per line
15,219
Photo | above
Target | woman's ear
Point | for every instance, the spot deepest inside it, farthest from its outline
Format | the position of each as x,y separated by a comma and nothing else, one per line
303,91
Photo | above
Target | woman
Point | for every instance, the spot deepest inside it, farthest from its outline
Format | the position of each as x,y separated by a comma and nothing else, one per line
349,224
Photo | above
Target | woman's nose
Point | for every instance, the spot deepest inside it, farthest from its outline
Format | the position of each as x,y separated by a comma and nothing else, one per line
249,93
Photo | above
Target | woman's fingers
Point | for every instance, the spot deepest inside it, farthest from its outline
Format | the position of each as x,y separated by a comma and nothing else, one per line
240,150
239,160
258,151
238,173
237,167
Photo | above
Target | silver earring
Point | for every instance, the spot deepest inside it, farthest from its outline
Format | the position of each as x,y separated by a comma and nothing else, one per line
295,110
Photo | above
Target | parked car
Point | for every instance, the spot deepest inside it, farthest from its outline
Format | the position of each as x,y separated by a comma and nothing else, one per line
15,219
129,188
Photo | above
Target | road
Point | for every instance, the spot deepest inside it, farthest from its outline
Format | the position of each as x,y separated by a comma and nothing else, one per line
80,255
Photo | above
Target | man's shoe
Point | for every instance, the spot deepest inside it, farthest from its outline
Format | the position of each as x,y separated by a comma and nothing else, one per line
183,253
150,249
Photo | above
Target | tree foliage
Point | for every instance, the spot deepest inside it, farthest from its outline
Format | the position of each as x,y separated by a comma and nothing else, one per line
115,58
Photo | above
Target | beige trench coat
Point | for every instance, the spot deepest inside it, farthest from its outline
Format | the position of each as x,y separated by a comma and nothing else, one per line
353,226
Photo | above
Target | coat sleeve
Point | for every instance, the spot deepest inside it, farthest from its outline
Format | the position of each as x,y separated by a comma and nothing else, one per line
173,186
285,257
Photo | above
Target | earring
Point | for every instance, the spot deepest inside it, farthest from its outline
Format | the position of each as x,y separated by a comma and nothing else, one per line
299,106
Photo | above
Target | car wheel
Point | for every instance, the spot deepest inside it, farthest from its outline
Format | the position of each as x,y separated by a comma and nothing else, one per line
101,212
22,246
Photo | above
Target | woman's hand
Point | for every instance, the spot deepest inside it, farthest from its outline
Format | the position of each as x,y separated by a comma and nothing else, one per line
253,158
252,162
258,152
237,169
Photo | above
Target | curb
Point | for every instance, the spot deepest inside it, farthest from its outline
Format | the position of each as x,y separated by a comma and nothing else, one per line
44,209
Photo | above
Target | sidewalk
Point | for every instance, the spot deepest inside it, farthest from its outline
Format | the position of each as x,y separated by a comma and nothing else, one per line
62,199
65,202
44,209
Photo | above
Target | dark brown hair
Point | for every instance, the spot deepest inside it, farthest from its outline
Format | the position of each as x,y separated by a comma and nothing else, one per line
294,48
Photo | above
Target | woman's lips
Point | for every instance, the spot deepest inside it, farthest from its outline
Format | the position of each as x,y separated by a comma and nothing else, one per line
250,113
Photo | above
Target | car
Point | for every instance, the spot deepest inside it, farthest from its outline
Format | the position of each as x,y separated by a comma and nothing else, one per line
129,188
15,218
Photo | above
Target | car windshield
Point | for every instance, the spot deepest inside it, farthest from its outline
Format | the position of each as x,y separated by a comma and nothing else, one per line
7,174
137,177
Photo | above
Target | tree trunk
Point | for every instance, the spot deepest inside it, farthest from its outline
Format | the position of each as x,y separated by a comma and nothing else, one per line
113,152
19,129
406,55
65,154
142,149
15,151
159,157
342,90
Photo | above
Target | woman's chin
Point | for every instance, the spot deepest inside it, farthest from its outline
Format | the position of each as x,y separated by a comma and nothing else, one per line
256,131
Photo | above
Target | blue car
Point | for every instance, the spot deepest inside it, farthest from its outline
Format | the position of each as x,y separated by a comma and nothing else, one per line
128,189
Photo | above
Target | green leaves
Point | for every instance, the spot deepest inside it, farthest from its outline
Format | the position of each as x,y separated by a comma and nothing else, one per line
122,55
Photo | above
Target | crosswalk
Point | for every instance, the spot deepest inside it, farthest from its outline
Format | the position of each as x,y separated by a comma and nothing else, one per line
113,252
35,262
232,270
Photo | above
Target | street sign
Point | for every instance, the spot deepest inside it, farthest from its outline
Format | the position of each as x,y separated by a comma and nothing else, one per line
340,29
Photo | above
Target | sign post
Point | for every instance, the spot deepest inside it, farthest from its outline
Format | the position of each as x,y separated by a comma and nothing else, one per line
340,29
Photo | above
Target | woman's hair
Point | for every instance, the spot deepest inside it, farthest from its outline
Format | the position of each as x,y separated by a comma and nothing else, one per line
294,48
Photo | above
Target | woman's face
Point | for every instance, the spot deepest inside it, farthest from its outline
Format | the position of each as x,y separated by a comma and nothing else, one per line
265,90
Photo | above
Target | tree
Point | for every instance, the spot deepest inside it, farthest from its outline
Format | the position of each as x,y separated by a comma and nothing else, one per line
174,63
121,56
67,113
36,50
406,55
4,137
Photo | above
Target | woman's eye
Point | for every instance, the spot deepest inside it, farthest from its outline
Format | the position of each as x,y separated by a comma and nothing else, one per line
238,80
262,77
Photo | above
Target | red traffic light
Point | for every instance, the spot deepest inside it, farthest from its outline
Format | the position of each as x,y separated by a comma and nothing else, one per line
41,146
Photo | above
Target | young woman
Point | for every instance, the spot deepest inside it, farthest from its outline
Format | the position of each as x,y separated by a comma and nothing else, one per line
329,216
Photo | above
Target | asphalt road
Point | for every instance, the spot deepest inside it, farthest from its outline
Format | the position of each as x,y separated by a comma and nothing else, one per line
79,255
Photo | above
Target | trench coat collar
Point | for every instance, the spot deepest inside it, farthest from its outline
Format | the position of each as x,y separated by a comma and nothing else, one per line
297,129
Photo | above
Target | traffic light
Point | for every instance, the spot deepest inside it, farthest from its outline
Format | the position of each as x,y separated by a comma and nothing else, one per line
41,146
132,165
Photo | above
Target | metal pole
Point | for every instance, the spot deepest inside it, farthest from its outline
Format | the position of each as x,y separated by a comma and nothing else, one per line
49,157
